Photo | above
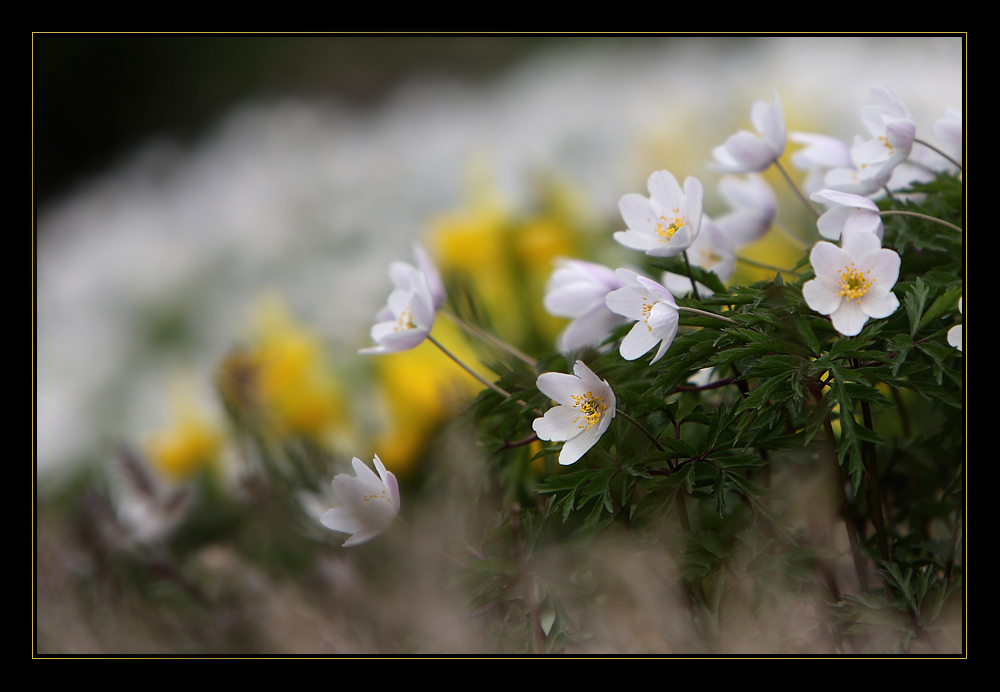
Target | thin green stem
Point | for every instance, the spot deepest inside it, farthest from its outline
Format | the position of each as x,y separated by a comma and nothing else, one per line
490,338
694,287
794,237
754,263
482,380
935,149
920,216
706,313
638,425
795,188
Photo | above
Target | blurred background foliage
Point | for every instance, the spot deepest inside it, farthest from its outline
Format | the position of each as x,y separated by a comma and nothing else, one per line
215,219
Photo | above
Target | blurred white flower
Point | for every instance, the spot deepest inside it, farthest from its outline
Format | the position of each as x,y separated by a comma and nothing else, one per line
746,152
847,213
852,283
820,155
753,205
655,309
713,251
955,333
665,223
369,502
409,315
949,130
892,129
577,289
431,273
586,407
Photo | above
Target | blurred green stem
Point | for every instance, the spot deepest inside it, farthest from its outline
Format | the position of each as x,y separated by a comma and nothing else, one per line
482,380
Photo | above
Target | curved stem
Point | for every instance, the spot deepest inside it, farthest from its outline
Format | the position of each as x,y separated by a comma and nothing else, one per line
761,265
637,424
482,380
794,237
935,149
805,200
491,338
694,288
925,217
706,313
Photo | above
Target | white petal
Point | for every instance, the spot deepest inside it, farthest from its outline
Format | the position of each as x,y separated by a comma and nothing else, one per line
560,387
849,318
879,304
638,341
664,189
590,330
627,302
820,297
578,446
955,336
558,423
341,519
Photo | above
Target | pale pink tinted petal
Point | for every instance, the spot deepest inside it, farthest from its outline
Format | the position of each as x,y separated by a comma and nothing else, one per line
725,162
884,268
629,278
590,330
750,150
900,134
831,224
820,297
863,221
849,318
844,199
626,302
558,423
560,387
859,245
663,188
341,519
637,241
365,474
638,341
693,193
827,259
431,273
657,291
574,299
638,213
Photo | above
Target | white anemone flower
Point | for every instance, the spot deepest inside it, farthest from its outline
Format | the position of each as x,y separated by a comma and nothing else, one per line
892,129
431,273
713,251
369,503
586,407
852,283
949,130
747,152
753,205
655,309
847,213
665,223
955,333
577,289
409,315
820,155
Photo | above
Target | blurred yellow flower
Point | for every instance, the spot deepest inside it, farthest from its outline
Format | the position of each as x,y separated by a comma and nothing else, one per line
191,444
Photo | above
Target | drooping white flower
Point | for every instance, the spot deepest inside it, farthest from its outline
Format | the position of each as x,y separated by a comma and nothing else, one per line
746,152
949,130
892,129
847,213
655,309
577,289
713,251
753,205
955,333
852,283
369,503
586,407
665,223
409,315
431,273
820,155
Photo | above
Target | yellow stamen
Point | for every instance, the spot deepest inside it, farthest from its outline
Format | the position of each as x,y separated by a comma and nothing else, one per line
853,283
405,321
667,232
592,407
886,143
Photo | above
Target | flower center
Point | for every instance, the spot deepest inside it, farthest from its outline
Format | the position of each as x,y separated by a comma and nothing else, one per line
647,308
592,407
886,143
853,283
672,225
404,321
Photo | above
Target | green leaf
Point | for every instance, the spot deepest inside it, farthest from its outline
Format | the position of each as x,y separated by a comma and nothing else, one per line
914,301
945,302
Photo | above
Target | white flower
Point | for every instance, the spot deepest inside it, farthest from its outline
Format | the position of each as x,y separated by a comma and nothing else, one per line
949,130
754,208
848,213
746,152
955,333
369,502
713,251
820,155
577,289
667,222
852,283
432,275
892,129
655,309
409,315
586,407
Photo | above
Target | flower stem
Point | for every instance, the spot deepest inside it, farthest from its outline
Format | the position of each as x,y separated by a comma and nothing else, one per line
794,237
486,336
920,216
871,468
795,188
754,263
706,313
935,149
482,380
637,424
694,288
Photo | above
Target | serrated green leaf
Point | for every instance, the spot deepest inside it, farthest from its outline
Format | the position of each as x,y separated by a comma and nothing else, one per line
945,302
